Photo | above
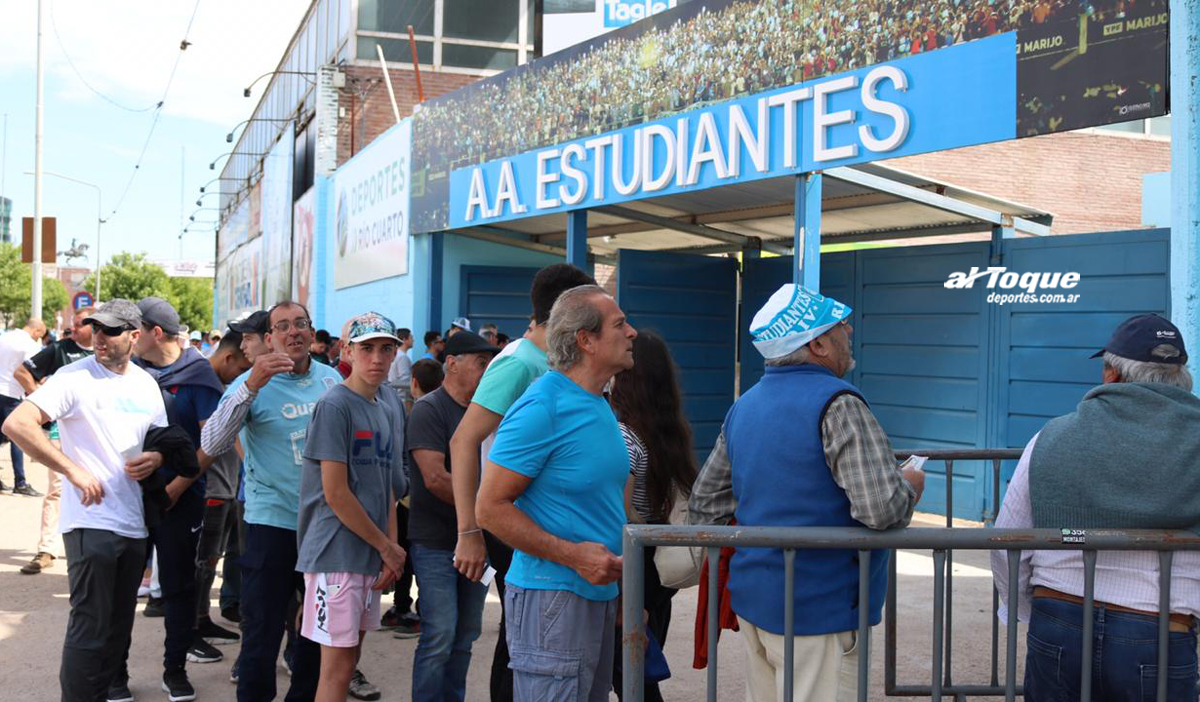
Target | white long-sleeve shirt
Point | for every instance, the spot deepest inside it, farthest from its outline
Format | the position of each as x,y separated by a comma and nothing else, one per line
1125,578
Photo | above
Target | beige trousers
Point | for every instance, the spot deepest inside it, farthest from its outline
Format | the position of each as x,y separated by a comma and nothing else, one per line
51,541
825,667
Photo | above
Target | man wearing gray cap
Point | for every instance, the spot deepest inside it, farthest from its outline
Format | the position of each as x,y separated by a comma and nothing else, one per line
104,406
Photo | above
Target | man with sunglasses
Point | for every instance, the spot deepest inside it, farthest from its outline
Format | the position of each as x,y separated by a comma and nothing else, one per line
104,406
190,390
44,364
268,407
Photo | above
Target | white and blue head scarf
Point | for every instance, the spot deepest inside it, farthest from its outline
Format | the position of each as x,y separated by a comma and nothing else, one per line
793,317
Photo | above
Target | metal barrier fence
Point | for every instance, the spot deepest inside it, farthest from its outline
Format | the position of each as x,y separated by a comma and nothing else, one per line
940,541
891,688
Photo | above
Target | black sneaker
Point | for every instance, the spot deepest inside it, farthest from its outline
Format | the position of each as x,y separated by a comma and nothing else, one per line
118,691
232,614
175,684
203,652
409,627
233,672
27,490
154,607
215,634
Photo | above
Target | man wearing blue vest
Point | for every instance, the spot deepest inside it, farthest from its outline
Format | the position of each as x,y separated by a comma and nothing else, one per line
801,448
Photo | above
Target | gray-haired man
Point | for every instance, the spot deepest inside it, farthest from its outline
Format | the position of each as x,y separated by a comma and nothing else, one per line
1125,458
559,450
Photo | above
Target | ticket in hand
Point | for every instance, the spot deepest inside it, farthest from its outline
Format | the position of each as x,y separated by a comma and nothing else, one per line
915,462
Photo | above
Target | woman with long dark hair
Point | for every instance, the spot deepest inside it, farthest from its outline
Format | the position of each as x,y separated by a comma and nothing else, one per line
649,407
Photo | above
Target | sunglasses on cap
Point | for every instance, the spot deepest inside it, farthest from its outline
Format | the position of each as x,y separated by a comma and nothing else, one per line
109,331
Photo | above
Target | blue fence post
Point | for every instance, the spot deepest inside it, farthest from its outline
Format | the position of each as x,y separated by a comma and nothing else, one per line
806,238
1185,169
577,238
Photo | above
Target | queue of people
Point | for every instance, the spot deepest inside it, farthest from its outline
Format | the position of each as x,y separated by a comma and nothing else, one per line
326,475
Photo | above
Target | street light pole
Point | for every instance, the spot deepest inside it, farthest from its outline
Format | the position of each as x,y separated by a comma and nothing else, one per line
99,221
36,293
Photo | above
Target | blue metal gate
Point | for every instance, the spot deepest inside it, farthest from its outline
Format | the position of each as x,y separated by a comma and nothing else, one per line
944,368
692,302
497,294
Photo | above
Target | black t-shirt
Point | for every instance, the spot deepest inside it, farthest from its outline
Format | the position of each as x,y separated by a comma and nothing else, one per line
46,362
431,522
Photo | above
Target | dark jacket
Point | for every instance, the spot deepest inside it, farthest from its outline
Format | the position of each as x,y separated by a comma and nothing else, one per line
178,451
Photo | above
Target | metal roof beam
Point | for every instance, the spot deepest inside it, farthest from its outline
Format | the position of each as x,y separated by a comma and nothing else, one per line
741,240
518,240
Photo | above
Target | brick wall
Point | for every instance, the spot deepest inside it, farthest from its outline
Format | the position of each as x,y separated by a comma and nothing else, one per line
365,99
1089,181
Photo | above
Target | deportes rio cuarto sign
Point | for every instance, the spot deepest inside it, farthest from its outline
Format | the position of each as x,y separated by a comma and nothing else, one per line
371,203
939,100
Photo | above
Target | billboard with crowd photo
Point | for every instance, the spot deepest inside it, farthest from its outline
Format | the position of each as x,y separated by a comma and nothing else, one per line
1110,67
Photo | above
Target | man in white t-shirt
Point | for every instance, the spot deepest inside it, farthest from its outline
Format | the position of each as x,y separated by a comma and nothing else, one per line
104,406
16,347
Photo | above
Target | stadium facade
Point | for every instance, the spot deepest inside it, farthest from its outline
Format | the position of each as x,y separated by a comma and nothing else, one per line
347,210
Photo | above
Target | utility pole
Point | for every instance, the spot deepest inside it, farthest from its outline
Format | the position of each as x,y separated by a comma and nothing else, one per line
35,306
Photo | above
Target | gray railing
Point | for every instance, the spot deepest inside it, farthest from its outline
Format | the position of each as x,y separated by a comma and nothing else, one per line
940,541
891,688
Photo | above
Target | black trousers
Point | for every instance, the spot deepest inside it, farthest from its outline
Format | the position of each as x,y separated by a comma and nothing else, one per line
269,584
220,525
175,540
103,573
501,682
403,597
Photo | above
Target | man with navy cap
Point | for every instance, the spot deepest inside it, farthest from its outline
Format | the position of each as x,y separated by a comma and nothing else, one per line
801,448
1126,458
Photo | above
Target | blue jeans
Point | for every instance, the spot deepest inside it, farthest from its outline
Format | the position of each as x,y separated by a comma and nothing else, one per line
451,620
1124,655
7,405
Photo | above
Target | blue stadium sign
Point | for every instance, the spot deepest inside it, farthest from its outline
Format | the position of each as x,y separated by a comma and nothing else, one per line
958,96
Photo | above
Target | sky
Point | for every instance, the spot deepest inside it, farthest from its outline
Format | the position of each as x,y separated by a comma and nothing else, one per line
125,50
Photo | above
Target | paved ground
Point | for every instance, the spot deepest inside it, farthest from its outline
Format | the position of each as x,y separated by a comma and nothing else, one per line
33,613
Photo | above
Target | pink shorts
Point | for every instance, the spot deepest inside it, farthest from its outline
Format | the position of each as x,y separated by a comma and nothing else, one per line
337,606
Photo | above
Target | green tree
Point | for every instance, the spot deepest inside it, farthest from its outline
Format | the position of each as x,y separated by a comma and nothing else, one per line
132,277
15,290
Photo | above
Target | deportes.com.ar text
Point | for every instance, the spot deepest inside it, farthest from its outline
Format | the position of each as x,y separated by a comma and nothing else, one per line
1028,298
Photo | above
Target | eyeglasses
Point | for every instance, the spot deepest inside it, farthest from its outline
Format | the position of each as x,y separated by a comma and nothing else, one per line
110,331
285,326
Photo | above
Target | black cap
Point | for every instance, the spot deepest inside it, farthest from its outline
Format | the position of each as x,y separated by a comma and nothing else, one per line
1137,338
157,312
255,323
468,342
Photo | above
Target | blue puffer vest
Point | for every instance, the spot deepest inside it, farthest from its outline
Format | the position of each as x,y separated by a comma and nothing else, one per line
780,478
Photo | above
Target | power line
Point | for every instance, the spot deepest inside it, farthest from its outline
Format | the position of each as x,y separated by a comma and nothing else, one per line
62,47
183,45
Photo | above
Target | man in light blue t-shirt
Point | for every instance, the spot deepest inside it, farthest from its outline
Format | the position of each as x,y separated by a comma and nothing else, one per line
554,491
268,409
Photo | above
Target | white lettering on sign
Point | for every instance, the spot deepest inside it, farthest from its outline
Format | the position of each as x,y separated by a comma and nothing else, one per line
652,157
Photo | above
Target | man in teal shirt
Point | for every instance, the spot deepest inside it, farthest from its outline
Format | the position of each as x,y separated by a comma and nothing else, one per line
268,409
554,490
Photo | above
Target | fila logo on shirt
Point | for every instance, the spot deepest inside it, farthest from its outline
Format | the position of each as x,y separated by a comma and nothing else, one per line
366,440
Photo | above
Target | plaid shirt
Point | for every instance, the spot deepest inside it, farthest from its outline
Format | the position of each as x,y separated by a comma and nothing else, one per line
859,456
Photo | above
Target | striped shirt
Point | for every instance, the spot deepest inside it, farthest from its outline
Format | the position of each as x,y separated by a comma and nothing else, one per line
639,464
860,459
1125,578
